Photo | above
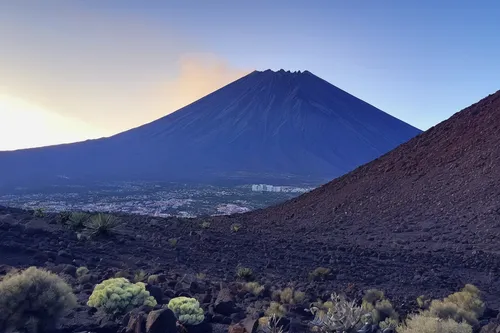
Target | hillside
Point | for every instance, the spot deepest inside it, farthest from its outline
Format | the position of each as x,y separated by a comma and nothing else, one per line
440,190
267,125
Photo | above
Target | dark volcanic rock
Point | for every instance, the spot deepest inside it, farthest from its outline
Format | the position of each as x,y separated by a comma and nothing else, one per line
161,321
224,304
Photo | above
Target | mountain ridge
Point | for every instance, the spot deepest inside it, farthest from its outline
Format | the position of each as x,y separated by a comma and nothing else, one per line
279,124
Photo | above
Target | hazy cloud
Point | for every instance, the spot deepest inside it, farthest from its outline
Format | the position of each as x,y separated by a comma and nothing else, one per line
107,71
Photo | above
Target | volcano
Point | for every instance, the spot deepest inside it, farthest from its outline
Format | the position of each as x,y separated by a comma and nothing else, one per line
278,126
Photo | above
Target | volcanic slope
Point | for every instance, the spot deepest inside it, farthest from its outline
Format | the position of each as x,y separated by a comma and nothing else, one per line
277,125
439,191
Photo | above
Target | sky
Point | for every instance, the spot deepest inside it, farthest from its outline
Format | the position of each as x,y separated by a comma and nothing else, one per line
82,69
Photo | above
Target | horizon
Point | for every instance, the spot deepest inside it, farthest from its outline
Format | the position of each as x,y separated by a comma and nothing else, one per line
103,68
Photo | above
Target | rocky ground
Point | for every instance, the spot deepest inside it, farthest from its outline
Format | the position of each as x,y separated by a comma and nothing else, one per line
204,262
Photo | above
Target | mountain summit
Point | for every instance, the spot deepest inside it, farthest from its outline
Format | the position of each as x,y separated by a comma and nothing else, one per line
267,125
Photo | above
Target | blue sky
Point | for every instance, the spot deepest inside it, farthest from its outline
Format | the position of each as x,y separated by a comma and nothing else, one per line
420,61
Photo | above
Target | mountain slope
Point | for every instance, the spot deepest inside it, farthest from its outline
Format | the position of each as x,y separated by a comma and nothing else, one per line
438,191
267,124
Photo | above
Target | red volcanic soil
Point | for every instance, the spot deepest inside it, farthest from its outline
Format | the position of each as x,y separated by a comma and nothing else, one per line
438,192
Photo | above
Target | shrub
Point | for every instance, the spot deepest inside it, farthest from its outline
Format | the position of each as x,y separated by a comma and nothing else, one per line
153,279
187,310
271,324
320,273
81,271
427,324
205,225
463,305
39,212
102,224
33,296
448,310
378,306
173,242
423,302
343,316
291,296
468,299
254,287
139,276
119,295
276,309
63,217
244,273
235,227
372,296
77,220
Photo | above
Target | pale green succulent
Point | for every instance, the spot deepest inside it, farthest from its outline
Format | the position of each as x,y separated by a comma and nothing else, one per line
119,295
187,310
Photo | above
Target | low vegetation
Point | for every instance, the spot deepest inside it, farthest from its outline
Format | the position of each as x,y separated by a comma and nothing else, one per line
77,220
119,295
418,323
102,225
320,273
33,301
244,273
187,310
235,227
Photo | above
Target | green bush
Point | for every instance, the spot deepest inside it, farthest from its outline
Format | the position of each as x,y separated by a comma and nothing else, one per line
291,296
187,310
119,295
77,220
102,224
463,305
320,273
81,271
235,227
39,212
34,298
244,273
254,287
153,279
428,324
342,316
380,308
276,309
140,276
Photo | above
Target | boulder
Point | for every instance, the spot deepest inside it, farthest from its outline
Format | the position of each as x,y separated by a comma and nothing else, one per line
136,322
161,321
224,304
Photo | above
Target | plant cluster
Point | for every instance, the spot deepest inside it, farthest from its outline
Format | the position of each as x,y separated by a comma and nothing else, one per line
276,309
289,296
102,224
39,212
235,227
379,308
456,313
33,300
342,316
187,310
318,274
254,287
119,295
244,273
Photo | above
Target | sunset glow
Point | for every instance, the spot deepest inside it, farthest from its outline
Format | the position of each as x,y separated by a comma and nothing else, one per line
24,125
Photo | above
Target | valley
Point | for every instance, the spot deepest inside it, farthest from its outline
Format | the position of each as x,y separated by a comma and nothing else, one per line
154,198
